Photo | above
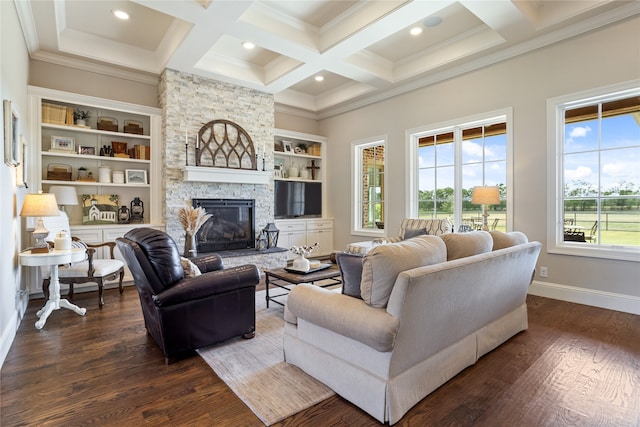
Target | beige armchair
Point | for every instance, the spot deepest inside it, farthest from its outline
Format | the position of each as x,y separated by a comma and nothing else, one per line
92,269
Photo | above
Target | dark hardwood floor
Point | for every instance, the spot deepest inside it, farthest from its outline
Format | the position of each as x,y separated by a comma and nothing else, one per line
576,365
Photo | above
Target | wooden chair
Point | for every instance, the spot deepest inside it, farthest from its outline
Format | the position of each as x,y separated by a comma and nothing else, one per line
495,224
593,233
92,269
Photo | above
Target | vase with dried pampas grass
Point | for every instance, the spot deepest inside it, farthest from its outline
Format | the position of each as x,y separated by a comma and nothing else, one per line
192,219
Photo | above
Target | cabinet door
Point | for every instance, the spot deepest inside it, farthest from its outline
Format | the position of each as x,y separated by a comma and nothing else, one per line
288,239
324,238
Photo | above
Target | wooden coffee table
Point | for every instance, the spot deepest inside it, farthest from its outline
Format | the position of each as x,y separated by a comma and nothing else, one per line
281,278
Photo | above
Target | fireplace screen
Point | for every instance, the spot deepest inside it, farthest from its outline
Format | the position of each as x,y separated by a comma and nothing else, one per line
230,227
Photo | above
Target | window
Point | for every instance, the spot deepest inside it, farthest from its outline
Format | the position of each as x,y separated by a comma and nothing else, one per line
368,186
594,195
447,161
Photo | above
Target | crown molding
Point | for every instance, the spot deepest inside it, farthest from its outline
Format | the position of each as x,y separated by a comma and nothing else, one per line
81,64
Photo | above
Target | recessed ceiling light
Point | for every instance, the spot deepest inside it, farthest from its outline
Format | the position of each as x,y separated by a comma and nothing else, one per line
248,45
319,78
120,14
432,21
416,31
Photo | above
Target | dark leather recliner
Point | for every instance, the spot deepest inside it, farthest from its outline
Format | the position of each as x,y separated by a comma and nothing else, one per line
184,314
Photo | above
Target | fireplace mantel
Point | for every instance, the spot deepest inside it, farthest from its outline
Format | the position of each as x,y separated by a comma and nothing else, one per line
232,176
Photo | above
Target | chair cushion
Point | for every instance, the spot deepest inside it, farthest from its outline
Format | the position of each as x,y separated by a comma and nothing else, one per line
103,267
381,266
505,240
461,245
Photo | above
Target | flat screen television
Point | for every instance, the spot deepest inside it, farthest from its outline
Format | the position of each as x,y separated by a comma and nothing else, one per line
297,199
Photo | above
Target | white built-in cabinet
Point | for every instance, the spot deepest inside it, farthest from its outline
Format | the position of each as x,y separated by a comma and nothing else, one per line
59,144
305,232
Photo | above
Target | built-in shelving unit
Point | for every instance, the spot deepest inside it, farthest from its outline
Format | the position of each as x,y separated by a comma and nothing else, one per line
60,148
295,154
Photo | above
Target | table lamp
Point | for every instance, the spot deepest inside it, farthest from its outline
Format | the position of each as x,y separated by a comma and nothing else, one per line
39,205
65,196
485,195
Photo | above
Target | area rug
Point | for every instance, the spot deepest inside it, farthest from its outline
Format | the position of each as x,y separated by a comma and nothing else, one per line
256,372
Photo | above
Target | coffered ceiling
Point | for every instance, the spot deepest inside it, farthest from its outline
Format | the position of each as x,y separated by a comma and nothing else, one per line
363,49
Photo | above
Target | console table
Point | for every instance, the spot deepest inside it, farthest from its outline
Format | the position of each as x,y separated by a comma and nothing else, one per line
53,258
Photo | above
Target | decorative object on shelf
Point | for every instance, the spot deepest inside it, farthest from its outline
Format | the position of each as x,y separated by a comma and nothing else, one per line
85,175
54,114
135,176
118,177
39,205
123,215
277,146
136,210
80,117
86,151
104,174
108,123
11,140
224,144
192,219
272,232
288,148
133,126
106,151
313,169
293,172
301,148
65,196
300,262
58,172
119,149
62,144
485,195
277,171
100,208
304,174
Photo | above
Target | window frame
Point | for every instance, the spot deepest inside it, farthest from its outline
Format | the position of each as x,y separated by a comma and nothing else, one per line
456,126
356,184
555,161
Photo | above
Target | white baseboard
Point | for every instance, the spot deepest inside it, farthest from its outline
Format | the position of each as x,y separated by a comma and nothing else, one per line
9,332
602,299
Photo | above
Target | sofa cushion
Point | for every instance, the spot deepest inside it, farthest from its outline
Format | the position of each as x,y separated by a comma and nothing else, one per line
414,232
351,273
505,240
382,264
461,245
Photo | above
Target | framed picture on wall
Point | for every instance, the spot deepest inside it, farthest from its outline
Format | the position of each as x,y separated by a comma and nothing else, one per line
288,147
11,140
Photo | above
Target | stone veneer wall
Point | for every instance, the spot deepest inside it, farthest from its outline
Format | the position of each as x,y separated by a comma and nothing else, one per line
191,101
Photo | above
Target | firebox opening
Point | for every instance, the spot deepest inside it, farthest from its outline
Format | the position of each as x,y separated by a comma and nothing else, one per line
231,226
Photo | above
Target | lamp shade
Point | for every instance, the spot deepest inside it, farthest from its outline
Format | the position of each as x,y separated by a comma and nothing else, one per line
485,195
65,195
39,205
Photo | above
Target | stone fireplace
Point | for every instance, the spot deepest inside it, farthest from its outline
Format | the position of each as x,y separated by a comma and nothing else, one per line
188,102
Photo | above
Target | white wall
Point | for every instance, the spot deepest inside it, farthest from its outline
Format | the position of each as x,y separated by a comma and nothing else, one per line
610,55
14,67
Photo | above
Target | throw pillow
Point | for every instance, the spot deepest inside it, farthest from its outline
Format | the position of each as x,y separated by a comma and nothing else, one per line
381,265
351,271
190,269
413,232
505,240
461,245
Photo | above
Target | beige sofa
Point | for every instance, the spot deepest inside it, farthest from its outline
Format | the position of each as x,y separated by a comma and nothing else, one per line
421,320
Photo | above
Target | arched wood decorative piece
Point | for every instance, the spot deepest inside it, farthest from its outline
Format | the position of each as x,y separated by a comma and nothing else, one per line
224,144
